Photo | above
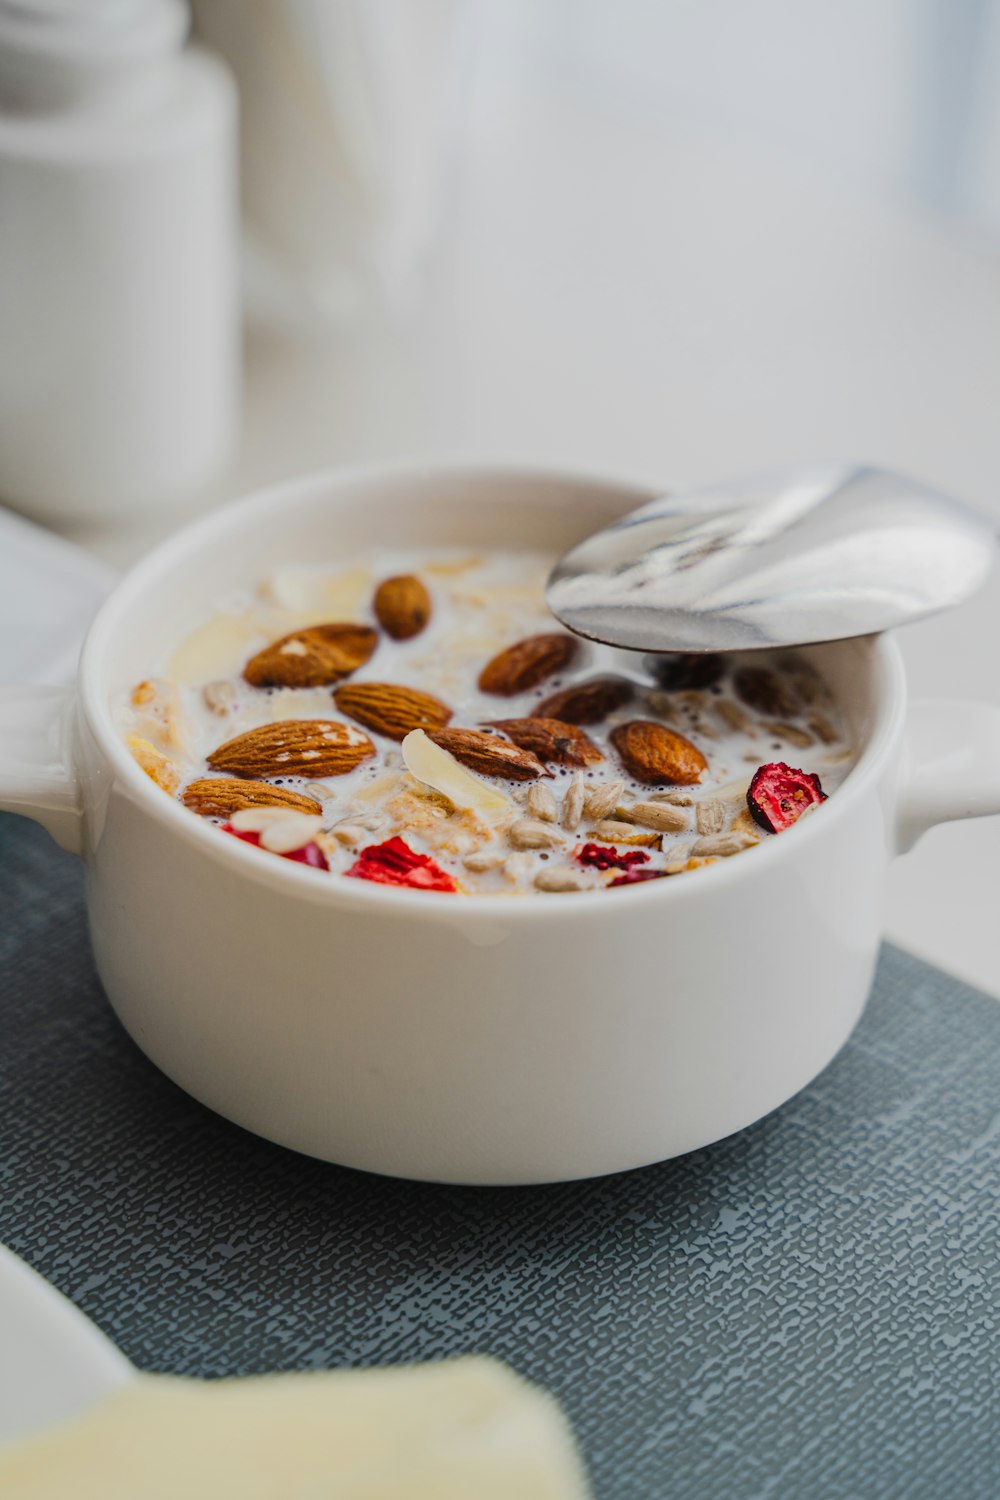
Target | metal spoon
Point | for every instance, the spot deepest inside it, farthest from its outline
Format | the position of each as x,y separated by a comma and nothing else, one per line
812,555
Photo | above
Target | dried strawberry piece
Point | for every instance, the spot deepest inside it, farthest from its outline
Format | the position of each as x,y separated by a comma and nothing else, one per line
632,877
395,863
310,854
778,795
603,857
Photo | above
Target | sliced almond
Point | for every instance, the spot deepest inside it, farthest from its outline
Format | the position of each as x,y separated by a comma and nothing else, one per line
437,768
316,656
220,797
527,663
402,606
488,754
281,829
651,753
389,709
588,702
554,743
294,747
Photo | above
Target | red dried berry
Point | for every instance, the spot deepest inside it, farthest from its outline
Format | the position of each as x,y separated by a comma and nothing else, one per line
632,877
395,863
310,854
778,795
603,857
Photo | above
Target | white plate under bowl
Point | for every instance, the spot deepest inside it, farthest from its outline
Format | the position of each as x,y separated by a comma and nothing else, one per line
53,1362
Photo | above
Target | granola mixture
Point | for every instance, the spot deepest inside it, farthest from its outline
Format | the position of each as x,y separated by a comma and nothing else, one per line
419,720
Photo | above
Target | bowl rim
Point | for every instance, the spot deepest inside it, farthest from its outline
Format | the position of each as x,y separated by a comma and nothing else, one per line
287,876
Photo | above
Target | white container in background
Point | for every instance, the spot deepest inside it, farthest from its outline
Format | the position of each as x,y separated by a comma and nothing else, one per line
119,295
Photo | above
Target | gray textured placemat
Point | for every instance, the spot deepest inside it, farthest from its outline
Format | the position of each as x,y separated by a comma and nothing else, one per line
808,1309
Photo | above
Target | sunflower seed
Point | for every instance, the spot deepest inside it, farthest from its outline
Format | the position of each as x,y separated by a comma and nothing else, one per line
823,729
663,705
658,815
530,833
711,816
733,716
482,861
559,880
624,833
799,737
221,697
598,801
733,791
541,803
722,843
675,799
572,808
348,833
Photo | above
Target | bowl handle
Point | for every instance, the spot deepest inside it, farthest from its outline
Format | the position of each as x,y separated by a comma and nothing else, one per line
36,774
951,767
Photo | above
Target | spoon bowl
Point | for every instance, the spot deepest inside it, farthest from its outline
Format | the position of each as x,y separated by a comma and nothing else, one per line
785,560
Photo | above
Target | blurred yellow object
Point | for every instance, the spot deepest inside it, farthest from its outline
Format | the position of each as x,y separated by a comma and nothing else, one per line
464,1429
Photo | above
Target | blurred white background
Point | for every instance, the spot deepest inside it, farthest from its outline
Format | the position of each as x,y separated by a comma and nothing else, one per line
667,239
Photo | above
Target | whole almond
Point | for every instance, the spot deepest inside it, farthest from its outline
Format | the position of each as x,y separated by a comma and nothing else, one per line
402,606
220,797
654,754
390,710
488,754
587,702
553,742
527,663
313,657
294,747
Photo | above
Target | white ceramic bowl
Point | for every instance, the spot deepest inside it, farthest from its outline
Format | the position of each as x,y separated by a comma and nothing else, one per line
482,1039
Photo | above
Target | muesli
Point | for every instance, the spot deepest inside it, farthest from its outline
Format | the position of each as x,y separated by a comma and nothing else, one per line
418,720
